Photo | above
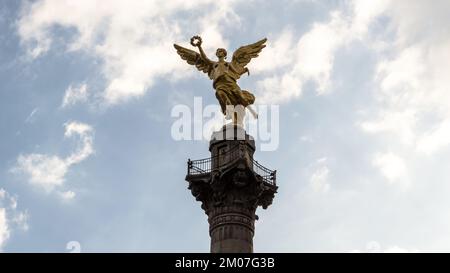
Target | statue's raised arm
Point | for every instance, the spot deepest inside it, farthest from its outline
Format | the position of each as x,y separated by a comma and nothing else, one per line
199,60
243,55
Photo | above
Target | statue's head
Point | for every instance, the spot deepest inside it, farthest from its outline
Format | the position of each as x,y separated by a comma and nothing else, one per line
221,53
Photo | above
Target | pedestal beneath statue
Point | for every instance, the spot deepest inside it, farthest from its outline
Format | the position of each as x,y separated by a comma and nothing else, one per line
231,185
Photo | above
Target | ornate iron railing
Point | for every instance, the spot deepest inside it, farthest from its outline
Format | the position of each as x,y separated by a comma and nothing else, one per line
206,165
267,175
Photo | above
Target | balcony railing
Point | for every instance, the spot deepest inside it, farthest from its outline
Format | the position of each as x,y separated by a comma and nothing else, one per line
206,165
267,175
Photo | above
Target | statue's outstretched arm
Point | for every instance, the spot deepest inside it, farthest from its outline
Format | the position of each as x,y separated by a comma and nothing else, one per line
203,55
196,41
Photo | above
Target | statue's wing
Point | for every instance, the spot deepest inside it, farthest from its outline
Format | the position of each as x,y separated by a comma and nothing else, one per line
243,55
194,58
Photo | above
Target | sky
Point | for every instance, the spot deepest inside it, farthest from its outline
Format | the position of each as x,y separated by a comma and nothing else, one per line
87,155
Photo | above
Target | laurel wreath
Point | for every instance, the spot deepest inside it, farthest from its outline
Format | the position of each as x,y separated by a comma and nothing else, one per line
196,41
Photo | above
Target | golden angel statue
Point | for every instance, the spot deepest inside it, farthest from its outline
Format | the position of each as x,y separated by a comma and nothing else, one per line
225,74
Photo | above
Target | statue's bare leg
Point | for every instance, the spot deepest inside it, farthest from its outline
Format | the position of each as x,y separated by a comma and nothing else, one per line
223,100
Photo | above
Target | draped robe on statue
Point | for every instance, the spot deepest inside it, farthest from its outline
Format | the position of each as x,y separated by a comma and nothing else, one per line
225,77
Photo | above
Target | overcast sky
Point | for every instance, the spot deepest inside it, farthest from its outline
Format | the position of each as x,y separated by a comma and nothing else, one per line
87,89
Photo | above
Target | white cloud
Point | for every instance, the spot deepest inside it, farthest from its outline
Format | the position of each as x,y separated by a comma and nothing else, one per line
277,54
316,50
365,11
412,77
399,122
20,219
44,170
392,167
86,145
375,247
10,217
30,117
311,58
433,140
133,39
320,176
4,231
75,94
397,249
49,171
67,195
